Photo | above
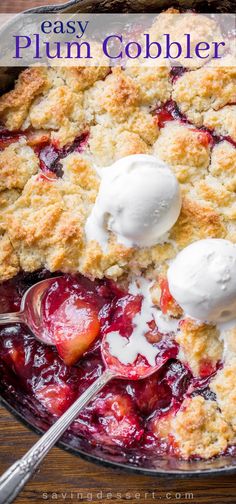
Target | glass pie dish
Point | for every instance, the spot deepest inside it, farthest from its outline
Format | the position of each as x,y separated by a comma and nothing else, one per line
22,405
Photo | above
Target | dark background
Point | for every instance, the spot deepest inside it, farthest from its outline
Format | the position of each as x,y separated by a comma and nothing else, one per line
20,5
62,476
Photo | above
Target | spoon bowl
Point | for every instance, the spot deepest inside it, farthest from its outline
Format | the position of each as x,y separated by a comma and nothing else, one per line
136,371
30,312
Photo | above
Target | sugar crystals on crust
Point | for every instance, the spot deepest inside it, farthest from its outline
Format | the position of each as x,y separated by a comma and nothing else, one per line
60,110
9,263
222,122
200,429
18,163
200,346
223,163
223,385
185,149
46,224
199,91
14,106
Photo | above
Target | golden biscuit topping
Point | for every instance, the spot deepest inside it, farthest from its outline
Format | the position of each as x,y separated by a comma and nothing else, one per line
197,429
69,123
199,346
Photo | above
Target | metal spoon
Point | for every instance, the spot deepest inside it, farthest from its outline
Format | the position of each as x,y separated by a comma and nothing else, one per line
30,312
14,479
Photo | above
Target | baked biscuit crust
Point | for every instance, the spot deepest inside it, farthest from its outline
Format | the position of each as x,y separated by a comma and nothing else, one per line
120,121
200,347
197,429
223,385
43,215
14,106
18,163
206,89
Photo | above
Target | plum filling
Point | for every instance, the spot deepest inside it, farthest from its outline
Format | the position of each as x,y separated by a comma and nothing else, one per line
50,155
8,137
170,112
47,379
176,72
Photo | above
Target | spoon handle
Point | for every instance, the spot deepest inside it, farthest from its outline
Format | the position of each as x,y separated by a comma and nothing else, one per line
11,318
14,479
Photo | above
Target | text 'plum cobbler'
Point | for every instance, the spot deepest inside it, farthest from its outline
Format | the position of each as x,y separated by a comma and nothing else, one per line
110,177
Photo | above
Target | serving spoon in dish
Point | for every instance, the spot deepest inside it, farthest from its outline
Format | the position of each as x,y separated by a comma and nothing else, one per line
30,313
14,479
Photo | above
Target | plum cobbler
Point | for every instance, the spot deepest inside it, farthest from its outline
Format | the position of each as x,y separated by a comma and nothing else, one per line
60,127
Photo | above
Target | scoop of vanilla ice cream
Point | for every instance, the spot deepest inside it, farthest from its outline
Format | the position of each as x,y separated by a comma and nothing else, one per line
202,279
138,200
